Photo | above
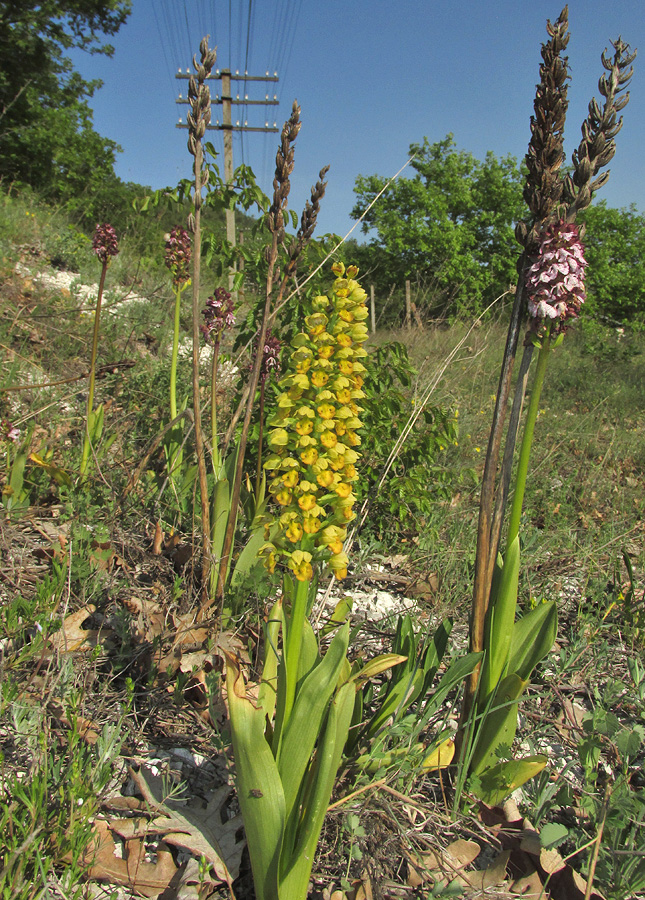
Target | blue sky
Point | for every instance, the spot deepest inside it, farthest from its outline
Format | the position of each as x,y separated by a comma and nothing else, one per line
371,76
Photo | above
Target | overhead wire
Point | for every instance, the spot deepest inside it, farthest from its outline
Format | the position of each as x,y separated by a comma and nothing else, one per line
180,27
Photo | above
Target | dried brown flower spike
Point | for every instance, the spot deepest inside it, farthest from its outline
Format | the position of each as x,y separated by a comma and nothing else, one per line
283,169
597,147
307,221
545,154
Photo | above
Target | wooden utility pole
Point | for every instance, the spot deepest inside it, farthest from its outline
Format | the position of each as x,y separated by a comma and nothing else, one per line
227,102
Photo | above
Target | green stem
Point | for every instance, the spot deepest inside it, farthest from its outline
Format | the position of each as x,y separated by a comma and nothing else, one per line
95,343
527,441
217,462
258,472
175,353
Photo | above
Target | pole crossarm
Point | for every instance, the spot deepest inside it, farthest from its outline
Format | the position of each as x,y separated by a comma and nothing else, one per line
226,74
272,128
234,101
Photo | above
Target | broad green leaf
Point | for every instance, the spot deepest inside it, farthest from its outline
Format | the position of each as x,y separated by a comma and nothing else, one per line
532,639
95,424
296,870
14,494
461,668
259,788
375,666
499,623
553,834
248,558
340,614
269,683
495,784
60,476
219,518
498,725
309,655
435,651
307,715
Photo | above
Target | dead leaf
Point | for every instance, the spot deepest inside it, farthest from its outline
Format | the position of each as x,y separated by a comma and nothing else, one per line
133,871
102,555
462,853
529,886
201,831
493,875
448,863
72,636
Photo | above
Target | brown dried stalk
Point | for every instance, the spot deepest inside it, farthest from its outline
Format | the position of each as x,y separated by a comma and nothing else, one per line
198,118
275,219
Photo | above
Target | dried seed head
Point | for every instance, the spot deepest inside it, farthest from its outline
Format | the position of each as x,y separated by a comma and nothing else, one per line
283,169
545,155
199,96
307,221
104,242
597,147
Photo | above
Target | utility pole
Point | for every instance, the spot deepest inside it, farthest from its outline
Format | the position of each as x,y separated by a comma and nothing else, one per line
227,101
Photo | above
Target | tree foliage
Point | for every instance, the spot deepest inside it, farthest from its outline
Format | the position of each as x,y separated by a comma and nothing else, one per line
615,251
47,139
449,226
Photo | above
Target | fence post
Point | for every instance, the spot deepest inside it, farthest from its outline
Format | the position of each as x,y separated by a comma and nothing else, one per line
372,309
408,306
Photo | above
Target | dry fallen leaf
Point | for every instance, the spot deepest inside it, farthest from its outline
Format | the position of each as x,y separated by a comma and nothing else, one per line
201,831
149,879
72,636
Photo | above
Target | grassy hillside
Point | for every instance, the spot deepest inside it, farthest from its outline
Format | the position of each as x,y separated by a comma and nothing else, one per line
102,664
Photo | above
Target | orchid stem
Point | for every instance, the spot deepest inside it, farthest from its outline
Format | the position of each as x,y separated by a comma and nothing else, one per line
90,396
527,441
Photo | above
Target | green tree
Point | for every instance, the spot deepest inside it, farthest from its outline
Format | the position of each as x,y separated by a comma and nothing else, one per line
47,139
615,251
450,226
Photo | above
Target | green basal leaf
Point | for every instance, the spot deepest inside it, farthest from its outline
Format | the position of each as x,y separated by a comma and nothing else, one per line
248,558
533,637
269,682
339,616
496,783
499,725
221,508
499,623
295,870
376,666
307,715
259,788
